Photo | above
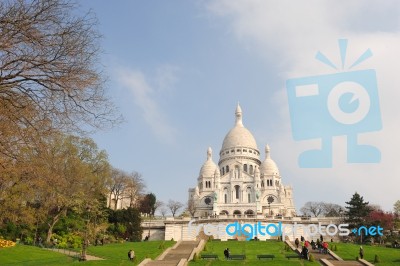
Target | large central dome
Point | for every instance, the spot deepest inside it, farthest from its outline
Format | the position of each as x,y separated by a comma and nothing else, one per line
239,136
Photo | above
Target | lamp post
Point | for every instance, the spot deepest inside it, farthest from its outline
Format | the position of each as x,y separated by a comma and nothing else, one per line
85,240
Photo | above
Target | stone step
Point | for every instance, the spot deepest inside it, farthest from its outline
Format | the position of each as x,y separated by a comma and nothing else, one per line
160,262
346,263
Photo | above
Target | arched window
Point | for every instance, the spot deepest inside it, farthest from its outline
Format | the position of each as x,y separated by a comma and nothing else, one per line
245,168
248,198
223,170
251,169
262,183
227,168
225,198
237,191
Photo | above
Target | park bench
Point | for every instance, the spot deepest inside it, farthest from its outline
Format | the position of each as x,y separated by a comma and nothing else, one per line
209,256
237,257
292,256
265,256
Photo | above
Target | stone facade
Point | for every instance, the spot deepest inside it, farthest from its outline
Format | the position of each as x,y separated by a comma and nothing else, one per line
241,184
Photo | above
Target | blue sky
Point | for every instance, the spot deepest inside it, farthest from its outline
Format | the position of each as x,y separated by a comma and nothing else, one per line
178,68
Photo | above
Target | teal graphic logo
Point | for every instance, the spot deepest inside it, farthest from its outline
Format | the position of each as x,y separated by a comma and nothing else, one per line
344,103
368,231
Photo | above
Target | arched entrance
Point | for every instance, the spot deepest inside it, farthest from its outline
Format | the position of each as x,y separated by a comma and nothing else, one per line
249,213
224,212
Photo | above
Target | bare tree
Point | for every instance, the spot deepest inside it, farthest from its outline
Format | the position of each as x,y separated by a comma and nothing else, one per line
332,210
134,189
174,206
123,186
191,207
158,205
312,208
50,76
116,187
163,211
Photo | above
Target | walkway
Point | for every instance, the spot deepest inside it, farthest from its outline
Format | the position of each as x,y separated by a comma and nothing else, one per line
173,256
73,253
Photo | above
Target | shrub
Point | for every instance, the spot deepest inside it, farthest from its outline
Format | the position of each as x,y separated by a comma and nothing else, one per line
312,259
6,243
335,248
162,245
377,259
195,257
28,240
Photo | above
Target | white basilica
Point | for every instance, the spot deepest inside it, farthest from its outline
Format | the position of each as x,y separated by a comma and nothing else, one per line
241,184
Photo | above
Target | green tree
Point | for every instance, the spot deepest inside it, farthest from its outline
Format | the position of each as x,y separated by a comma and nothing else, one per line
148,204
70,174
130,220
357,210
396,208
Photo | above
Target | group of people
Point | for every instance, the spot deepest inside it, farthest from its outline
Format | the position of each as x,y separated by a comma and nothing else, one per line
227,253
320,245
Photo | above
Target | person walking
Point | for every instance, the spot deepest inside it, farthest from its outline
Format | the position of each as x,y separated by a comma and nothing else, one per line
297,242
361,252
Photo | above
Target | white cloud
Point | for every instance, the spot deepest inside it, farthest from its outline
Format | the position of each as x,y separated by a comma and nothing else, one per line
145,97
291,32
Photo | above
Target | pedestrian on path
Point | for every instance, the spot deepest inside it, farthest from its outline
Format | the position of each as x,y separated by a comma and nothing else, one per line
361,252
297,242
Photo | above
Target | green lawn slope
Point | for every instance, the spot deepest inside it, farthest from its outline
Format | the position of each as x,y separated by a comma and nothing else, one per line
113,254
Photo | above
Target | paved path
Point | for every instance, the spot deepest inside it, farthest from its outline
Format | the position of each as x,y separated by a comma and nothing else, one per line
182,251
73,253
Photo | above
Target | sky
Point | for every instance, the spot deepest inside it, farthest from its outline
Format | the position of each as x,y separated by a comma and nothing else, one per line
177,69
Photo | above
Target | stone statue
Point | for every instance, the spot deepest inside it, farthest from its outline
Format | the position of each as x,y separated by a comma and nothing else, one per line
257,194
215,196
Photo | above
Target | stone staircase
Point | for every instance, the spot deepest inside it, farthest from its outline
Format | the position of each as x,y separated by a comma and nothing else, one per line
329,259
175,255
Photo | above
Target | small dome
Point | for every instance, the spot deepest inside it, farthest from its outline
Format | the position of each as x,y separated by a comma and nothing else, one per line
268,166
209,167
239,136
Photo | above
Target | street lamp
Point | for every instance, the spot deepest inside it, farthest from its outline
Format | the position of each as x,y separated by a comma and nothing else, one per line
85,241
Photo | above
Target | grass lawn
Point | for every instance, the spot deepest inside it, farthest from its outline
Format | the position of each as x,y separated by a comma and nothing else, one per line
114,254
251,249
29,255
388,256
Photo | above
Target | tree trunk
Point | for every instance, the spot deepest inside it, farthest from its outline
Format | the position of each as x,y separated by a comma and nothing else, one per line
116,203
51,225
